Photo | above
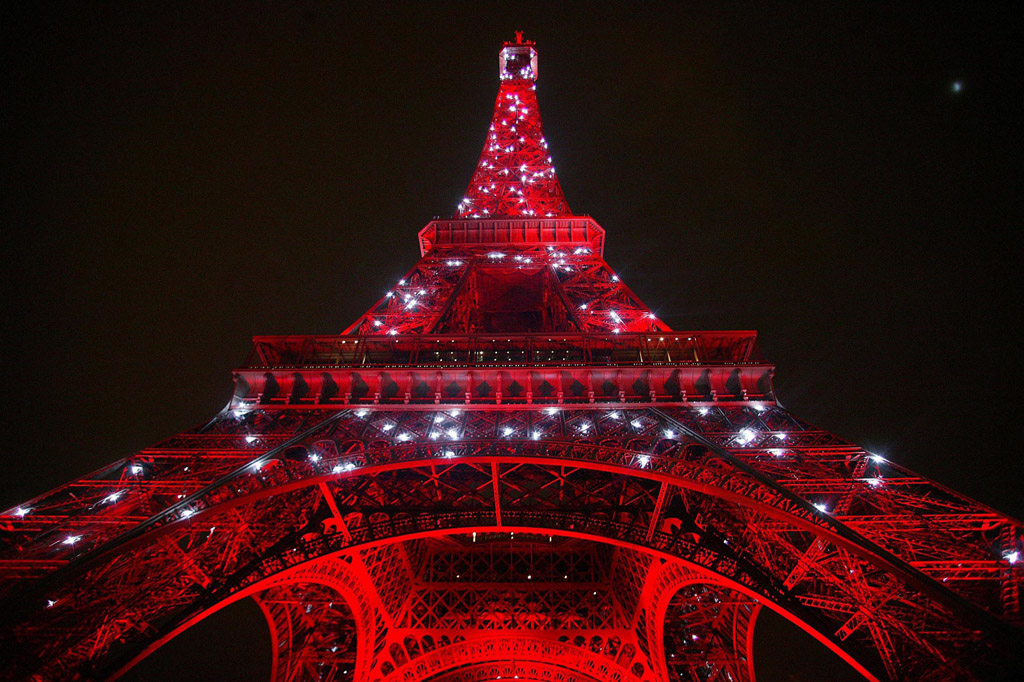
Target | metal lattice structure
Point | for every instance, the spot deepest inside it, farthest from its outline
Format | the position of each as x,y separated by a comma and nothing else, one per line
509,466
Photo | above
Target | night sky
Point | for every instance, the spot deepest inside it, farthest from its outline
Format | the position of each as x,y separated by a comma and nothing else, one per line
845,180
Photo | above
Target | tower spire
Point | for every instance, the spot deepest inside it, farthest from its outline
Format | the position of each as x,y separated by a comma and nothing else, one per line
515,177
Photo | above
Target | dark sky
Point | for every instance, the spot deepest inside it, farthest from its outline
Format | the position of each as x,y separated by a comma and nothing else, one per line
178,179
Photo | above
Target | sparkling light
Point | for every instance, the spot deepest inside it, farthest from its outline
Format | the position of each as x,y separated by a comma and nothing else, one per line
745,436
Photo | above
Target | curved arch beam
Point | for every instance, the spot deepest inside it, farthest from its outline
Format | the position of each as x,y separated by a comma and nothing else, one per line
296,492
586,529
489,656
327,576
701,470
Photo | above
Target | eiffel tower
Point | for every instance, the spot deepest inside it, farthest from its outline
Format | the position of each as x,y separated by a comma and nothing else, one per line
510,468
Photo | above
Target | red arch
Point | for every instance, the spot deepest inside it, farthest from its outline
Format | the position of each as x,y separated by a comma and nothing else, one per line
350,597
433,666
293,575
818,526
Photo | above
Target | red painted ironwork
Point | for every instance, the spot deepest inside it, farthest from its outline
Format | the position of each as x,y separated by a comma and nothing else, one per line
515,177
509,466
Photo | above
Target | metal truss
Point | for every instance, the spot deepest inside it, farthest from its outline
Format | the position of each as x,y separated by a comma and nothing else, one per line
313,634
509,466
780,514
708,634
515,176
443,293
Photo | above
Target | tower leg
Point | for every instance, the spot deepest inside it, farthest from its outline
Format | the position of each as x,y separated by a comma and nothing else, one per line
313,632
698,629
708,634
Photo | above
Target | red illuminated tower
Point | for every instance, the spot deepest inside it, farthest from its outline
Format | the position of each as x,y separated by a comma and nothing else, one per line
510,467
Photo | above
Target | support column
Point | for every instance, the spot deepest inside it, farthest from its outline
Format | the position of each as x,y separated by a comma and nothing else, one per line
707,634
313,633
699,630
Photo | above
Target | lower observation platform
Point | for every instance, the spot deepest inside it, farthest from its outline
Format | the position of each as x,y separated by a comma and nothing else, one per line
507,369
